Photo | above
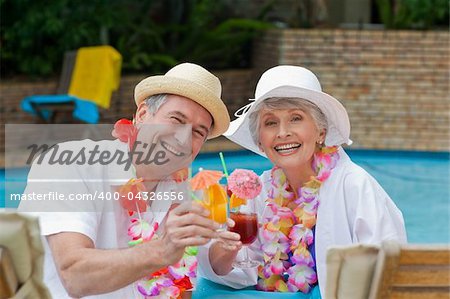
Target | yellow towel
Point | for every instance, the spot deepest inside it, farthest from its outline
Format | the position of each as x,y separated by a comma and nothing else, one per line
96,74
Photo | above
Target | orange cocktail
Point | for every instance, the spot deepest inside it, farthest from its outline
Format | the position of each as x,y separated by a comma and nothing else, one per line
212,195
215,200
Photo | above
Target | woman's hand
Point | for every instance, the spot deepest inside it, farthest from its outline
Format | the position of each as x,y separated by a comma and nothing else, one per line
229,241
223,252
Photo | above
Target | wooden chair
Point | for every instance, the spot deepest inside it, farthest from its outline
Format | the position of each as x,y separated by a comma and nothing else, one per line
59,110
66,72
412,271
350,271
21,258
88,78
9,283
389,271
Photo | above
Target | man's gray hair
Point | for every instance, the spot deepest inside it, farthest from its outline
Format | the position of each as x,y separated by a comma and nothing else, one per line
154,102
286,103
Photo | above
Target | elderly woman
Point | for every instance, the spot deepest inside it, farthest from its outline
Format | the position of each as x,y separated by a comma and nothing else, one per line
314,196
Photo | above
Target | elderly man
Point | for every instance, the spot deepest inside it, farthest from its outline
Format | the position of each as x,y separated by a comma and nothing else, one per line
86,245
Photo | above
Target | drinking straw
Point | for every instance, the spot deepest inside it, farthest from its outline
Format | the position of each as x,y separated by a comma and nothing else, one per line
189,179
224,166
195,197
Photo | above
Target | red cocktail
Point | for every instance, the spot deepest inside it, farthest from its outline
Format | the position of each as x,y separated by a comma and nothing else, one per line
246,225
245,186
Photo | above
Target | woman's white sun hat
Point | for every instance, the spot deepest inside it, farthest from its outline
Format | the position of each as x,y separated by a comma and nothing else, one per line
193,82
289,81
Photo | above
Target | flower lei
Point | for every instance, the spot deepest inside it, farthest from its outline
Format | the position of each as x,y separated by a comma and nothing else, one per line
171,281
288,229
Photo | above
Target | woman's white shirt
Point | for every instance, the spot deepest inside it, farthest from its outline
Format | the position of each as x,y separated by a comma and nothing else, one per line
353,208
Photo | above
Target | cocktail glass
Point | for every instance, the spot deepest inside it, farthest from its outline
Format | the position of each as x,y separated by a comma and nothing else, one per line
214,198
246,225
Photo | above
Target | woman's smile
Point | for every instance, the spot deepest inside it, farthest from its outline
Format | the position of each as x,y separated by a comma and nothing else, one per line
287,149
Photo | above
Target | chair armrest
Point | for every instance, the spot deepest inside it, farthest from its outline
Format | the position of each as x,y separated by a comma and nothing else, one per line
8,277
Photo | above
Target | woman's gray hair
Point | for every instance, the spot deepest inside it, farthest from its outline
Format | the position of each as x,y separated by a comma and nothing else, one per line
286,103
154,102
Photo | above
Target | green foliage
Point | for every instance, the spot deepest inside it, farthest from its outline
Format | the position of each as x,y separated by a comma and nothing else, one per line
197,31
414,14
151,35
226,44
35,34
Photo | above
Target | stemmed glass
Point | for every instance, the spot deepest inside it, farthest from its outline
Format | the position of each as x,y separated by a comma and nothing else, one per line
246,225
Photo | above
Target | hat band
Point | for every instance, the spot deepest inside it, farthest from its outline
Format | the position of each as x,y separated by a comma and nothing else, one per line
244,109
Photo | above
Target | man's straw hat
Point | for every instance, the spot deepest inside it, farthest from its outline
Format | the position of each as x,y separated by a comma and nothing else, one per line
193,82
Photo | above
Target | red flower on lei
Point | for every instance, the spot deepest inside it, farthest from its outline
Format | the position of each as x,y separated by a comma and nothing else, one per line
183,284
125,131
130,196
160,272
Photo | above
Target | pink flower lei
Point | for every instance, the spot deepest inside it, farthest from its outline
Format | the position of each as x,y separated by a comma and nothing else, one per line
288,229
169,282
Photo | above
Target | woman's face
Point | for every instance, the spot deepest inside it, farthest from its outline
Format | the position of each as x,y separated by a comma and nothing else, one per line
288,137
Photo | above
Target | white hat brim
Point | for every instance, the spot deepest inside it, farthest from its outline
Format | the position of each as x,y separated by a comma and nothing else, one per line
338,131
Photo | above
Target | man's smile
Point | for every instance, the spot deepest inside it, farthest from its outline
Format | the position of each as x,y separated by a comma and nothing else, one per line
171,149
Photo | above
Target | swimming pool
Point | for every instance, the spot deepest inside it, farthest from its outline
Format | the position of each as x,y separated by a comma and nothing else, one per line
418,182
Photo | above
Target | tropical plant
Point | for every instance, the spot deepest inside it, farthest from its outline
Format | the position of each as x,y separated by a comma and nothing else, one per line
34,35
151,35
201,31
414,14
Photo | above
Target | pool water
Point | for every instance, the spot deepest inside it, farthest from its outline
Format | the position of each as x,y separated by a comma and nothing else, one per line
418,182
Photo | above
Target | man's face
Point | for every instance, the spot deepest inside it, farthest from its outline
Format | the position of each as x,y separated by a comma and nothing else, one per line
183,126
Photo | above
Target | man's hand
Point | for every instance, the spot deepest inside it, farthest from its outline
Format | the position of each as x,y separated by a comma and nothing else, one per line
83,268
186,225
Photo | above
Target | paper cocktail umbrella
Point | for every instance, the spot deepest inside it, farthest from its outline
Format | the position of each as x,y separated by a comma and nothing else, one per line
244,183
205,178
